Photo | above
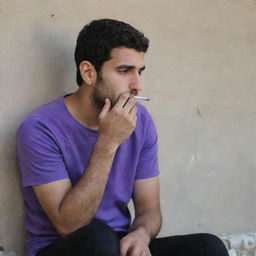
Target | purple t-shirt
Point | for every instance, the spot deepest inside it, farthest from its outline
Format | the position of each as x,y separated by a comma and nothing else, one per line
52,145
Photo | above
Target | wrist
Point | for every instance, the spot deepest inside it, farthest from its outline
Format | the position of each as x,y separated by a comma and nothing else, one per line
106,144
143,233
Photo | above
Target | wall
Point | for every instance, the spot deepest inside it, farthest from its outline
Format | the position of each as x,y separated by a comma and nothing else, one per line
200,74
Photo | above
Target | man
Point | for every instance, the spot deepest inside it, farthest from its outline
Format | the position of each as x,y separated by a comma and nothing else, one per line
85,155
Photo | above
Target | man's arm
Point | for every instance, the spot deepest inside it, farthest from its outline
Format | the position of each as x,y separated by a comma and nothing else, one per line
69,207
148,218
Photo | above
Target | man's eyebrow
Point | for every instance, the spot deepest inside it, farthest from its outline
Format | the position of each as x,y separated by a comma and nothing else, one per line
129,67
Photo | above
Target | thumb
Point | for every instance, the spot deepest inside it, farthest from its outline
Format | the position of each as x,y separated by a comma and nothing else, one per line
105,109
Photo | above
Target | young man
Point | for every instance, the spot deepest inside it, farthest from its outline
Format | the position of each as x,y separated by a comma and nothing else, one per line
83,157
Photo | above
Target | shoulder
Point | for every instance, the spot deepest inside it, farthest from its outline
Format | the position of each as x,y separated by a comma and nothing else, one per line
47,110
40,119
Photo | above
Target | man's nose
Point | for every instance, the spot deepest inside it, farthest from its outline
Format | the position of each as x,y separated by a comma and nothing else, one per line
135,83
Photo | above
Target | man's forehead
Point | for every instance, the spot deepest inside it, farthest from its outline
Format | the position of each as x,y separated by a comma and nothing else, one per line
127,56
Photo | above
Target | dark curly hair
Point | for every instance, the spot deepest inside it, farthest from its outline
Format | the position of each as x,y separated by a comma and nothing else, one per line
96,40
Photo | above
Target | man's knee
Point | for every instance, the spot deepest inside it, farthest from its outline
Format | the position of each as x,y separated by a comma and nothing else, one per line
214,246
100,240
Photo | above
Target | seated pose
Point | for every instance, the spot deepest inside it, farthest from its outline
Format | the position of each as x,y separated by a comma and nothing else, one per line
85,155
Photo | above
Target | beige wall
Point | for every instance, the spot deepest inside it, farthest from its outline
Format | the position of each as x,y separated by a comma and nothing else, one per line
200,74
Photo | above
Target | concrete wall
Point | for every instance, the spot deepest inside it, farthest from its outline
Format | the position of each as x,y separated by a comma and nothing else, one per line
200,73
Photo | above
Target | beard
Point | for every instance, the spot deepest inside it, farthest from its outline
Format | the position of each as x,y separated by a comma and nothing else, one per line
100,92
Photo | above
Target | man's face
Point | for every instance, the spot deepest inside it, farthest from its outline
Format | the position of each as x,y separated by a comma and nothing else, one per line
120,74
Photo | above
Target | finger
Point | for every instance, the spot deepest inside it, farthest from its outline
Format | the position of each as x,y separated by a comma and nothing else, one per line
122,100
133,116
129,105
135,121
146,252
136,251
133,111
105,108
124,248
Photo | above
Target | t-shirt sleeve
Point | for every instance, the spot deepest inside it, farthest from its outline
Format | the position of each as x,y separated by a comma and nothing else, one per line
148,160
38,155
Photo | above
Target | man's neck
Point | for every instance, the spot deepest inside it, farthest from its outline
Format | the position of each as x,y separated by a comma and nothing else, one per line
81,107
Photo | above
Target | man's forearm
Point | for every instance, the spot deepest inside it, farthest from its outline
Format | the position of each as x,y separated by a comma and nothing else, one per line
148,223
81,202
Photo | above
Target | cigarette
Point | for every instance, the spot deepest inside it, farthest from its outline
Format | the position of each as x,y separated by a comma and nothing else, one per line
142,98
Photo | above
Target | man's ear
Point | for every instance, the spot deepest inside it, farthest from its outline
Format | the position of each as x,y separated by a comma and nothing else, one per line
88,72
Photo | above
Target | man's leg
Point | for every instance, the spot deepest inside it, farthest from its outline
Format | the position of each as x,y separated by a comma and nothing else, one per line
92,240
188,245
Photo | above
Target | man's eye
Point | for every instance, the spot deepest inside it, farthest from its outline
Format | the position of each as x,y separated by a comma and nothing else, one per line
123,70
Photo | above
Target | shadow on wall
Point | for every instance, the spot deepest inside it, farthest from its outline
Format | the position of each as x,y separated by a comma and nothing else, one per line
55,68
12,235
46,73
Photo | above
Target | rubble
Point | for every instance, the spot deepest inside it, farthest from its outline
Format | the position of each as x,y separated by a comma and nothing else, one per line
2,253
240,244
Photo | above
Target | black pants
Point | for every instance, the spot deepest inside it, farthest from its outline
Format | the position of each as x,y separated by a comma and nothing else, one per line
98,239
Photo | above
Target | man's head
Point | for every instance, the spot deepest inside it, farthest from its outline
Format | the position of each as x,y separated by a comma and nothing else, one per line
96,41
120,74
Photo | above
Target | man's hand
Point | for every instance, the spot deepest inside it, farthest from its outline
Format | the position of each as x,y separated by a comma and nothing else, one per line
117,124
135,244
